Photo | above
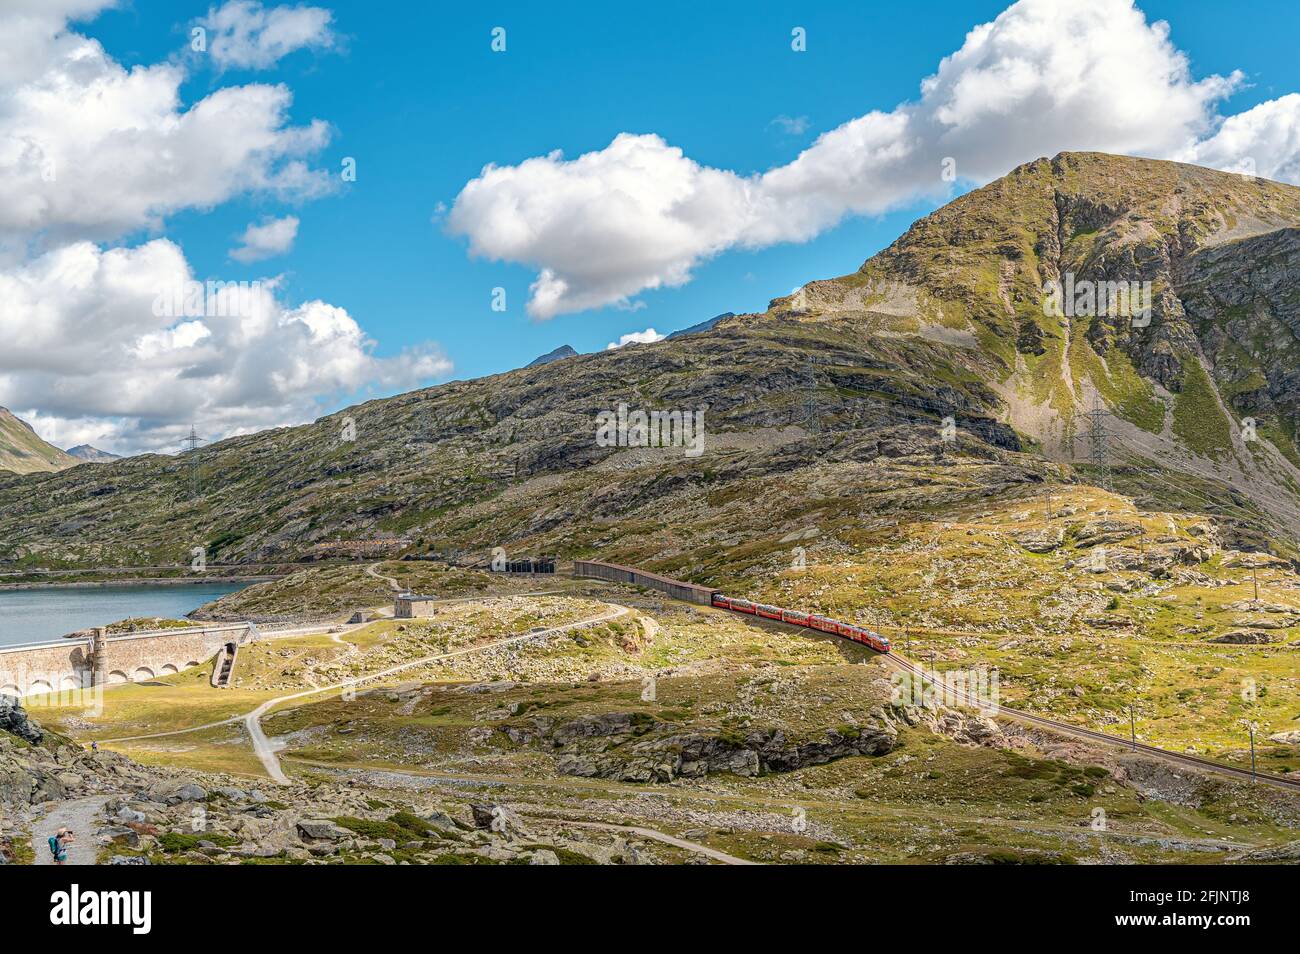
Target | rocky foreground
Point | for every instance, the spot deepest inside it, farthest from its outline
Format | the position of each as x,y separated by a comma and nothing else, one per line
153,815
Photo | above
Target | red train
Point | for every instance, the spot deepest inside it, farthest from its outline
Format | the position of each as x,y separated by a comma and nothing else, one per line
859,634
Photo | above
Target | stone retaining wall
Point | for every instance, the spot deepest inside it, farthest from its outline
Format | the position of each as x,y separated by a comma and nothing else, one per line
69,663
679,589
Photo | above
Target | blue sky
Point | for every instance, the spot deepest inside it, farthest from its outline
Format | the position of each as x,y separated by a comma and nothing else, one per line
415,94
422,103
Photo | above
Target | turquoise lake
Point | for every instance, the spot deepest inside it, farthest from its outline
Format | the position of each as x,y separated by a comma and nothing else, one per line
49,612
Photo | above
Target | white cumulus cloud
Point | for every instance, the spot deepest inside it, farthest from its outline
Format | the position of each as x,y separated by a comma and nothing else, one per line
91,149
243,34
125,342
636,337
91,349
267,239
1262,141
1045,76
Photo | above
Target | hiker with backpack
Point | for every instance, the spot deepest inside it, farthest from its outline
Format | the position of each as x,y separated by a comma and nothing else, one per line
59,842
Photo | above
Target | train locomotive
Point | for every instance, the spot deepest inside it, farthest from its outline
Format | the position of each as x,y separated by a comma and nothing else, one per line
824,624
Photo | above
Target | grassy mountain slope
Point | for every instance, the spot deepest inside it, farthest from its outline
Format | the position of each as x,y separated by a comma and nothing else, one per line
23,452
1220,253
828,408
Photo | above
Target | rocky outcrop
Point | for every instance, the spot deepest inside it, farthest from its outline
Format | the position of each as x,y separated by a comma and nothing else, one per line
1247,637
1041,541
15,721
633,747
1104,532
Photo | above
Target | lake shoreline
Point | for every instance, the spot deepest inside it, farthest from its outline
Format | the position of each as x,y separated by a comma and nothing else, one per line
36,613
138,581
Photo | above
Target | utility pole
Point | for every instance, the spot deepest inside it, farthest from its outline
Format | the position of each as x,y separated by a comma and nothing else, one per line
191,444
1254,574
1098,439
1132,728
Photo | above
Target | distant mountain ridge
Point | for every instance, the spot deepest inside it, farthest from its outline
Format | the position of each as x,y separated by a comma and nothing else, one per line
703,325
934,374
23,452
563,351
92,455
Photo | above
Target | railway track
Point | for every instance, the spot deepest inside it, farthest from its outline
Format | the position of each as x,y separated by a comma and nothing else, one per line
964,697
1092,735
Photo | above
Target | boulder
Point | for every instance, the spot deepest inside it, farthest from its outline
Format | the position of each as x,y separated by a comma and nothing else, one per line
1041,541
443,822
498,818
1098,532
1244,637
321,830
15,721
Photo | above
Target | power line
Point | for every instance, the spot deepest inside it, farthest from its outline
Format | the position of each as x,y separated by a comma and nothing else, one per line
1272,511
1212,506
191,444
1099,439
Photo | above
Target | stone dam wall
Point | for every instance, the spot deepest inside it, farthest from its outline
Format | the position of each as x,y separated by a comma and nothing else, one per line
73,664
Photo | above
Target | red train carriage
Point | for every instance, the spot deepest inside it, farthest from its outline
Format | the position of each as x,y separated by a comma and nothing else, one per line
879,643
824,624
727,602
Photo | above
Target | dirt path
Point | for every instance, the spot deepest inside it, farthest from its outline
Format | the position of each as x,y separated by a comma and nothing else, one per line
711,800
373,570
682,843
266,751
78,814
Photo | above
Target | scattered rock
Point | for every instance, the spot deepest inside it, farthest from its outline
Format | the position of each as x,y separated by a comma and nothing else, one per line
321,830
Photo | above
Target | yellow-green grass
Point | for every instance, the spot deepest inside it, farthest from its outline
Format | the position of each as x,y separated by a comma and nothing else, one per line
968,592
221,749
276,667
186,699
922,802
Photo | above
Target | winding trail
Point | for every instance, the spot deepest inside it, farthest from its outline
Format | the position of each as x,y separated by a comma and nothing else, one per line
676,842
747,801
252,721
373,570
79,815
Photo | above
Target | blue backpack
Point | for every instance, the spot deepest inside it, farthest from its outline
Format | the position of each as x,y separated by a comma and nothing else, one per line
54,846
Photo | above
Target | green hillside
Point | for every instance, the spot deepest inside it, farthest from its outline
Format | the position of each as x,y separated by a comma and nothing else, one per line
23,452
831,404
